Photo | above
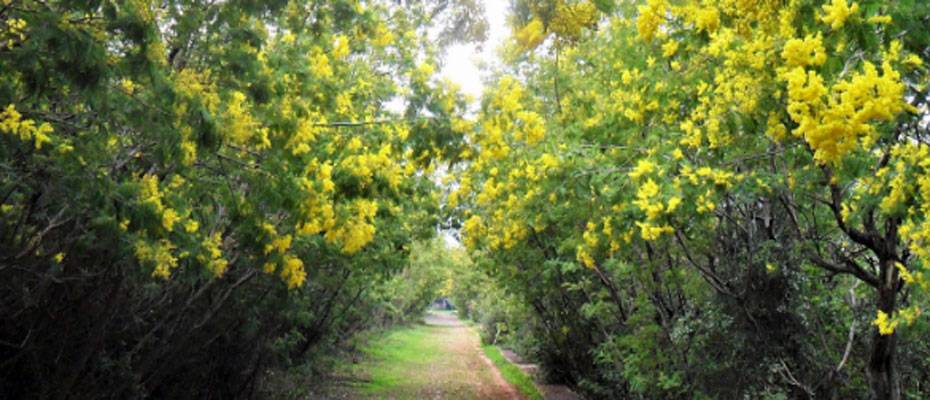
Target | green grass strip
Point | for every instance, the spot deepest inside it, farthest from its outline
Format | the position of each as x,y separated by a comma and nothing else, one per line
395,354
511,373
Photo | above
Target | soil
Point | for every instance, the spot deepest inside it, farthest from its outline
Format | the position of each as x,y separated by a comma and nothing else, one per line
465,371
456,369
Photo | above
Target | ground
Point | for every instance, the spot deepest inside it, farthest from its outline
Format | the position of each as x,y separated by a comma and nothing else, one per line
439,360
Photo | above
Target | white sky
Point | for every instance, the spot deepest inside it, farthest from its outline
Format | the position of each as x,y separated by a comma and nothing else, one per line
463,62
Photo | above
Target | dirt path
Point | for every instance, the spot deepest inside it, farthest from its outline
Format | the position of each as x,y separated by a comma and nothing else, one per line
465,364
441,360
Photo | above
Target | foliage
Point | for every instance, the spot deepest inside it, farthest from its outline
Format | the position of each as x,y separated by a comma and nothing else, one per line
396,353
210,184
511,373
660,198
718,192
426,277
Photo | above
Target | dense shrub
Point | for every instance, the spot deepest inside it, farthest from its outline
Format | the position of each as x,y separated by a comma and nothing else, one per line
193,192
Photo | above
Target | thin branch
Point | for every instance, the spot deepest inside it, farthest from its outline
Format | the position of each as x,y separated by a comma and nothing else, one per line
851,268
351,124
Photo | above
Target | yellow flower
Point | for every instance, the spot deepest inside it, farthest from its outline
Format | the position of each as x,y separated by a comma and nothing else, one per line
643,167
293,272
341,47
645,199
673,203
240,125
269,267
11,122
281,244
65,148
161,255
548,161
168,218
879,19
669,48
837,12
383,36
707,19
530,35
354,144
127,85
913,60
651,232
804,52
59,257
905,274
188,152
319,64
885,324
590,235
582,255
650,17
909,314
213,257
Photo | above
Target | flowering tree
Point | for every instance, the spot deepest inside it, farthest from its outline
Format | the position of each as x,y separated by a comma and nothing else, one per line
167,164
731,142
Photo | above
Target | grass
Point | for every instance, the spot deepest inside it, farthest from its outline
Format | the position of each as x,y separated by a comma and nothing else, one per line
439,360
395,354
511,373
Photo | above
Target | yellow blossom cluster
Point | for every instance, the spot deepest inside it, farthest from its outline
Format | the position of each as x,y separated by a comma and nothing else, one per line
887,324
383,36
357,230
570,19
151,195
833,120
317,209
649,202
12,31
319,64
804,52
341,47
651,15
909,194
241,127
293,272
11,123
531,35
837,12
213,255
307,131
161,255
292,268
367,165
508,186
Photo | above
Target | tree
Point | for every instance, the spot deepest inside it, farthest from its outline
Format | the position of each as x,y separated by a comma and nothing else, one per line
740,144
181,178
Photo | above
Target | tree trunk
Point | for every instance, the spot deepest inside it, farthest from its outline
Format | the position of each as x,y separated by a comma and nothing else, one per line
882,375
